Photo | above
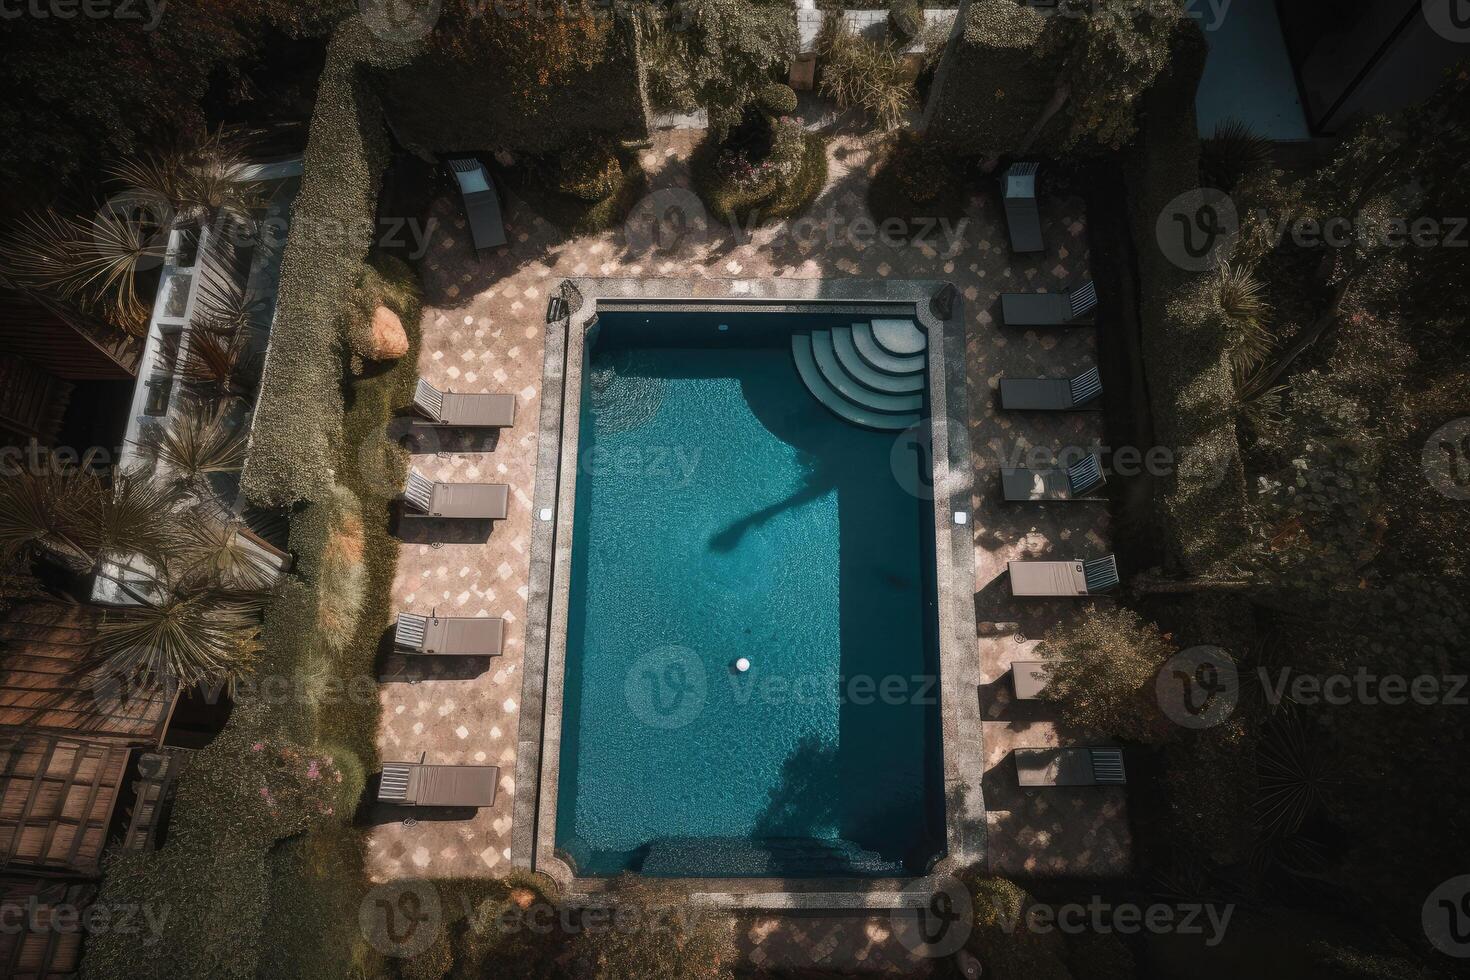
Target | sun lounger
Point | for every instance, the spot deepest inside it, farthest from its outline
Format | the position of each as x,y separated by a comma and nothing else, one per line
1062,579
1070,767
450,636
1050,394
471,501
481,203
417,784
1029,678
1071,483
1072,309
1023,218
472,411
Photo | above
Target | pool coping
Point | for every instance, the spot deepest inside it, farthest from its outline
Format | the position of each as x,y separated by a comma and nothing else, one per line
937,307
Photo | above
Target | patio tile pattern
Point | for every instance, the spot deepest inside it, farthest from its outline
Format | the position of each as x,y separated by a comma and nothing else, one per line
483,330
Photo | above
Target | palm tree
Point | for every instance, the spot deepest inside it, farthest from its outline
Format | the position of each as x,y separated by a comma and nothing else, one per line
198,441
194,590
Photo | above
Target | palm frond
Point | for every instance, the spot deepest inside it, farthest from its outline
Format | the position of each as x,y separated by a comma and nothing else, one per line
1294,778
205,635
1232,155
210,550
198,441
46,513
133,517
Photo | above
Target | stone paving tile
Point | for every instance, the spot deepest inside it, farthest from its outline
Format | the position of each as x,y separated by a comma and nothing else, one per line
854,943
483,331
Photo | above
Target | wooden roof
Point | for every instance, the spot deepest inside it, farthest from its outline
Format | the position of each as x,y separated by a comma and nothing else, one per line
56,801
31,947
51,682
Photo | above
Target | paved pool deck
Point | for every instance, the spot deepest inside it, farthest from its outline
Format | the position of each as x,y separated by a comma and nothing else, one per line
484,330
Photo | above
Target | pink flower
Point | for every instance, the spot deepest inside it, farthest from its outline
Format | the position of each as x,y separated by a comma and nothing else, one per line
257,747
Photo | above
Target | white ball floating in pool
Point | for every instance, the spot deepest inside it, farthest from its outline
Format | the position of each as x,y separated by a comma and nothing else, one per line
742,665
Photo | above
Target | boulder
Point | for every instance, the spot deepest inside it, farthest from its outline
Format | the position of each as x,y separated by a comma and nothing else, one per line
388,341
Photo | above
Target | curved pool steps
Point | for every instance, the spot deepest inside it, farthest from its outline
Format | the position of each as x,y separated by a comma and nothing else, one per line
870,377
861,414
851,388
880,357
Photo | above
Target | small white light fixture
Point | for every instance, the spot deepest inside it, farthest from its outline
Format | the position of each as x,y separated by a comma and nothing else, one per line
961,518
742,665
724,327
546,513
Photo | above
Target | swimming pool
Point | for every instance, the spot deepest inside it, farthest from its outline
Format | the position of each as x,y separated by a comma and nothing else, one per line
722,512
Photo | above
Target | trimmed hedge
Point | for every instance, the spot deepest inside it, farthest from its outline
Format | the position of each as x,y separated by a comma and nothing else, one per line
250,893
442,104
1187,362
298,418
991,86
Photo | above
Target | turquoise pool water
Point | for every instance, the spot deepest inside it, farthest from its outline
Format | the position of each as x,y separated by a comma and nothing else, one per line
723,513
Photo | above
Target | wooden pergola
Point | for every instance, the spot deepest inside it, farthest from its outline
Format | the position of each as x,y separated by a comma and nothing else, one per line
57,797
36,943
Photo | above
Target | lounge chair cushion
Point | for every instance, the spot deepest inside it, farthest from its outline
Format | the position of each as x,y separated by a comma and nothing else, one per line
1035,394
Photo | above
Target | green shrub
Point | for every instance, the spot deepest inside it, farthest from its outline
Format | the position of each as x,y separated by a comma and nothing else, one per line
1103,669
905,22
990,87
1232,155
863,74
749,191
777,100
590,172
343,577
1187,363
1002,940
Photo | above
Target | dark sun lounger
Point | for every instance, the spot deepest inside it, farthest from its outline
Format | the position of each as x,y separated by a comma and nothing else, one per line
450,636
449,408
471,501
1050,394
481,203
417,784
1062,579
1072,309
1023,217
1072,483
1069,767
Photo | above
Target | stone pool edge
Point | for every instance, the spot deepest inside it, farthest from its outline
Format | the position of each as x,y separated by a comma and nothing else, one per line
937,307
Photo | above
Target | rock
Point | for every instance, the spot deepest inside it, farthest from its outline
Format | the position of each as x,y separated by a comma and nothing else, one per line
388,339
